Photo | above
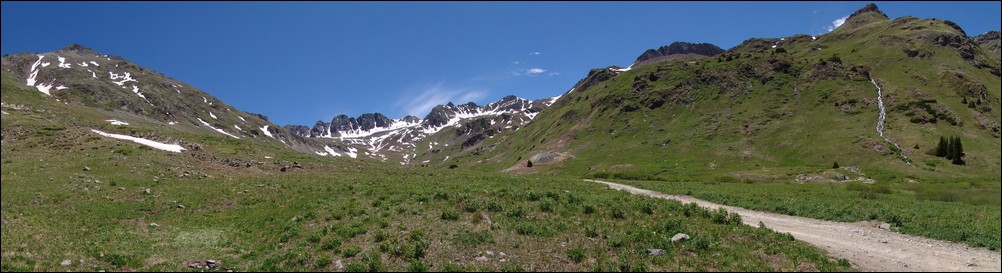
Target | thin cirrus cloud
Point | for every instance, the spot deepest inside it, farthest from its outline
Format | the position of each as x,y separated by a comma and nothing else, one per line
535,53
438,94
532,72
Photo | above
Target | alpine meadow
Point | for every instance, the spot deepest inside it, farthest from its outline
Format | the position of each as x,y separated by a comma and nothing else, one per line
870,146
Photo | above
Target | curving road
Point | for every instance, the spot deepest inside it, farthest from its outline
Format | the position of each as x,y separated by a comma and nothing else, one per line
867,247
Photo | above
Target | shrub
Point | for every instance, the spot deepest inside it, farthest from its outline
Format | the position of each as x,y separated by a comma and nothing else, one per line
546,206
591,232
323,261
720,216
330,244
647,209
494,206
576,254
351,251
516,212
618,213
417,266
468,238
451,267
589,209
450,215
672,226
355,267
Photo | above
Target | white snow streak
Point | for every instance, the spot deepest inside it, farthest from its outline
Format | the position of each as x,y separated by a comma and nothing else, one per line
34,73
117,122
217,129
156,145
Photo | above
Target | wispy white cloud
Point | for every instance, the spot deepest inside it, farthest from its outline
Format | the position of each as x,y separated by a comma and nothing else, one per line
535,53
531,72
437,94
838,22
516,62
553,74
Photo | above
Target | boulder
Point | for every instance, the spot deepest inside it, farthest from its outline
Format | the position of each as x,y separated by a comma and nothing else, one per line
681,237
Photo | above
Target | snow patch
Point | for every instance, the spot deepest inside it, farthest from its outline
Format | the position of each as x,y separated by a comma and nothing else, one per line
34,71
238,127
117,122
63,63
212,115
241,118
217,129
92,74
265,130
623,69
44,88
156,145
135,89
172,123
352,152
126,77
94,63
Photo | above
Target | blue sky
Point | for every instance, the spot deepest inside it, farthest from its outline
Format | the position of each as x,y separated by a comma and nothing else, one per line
306,61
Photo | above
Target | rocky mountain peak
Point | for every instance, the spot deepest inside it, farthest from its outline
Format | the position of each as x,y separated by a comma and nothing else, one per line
678,49
868,13
991,35
78,48
871,7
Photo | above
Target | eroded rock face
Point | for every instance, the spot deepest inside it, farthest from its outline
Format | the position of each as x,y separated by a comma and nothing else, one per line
679,48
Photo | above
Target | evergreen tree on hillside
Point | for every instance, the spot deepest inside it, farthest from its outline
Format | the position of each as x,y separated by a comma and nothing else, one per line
958,152
951,148
529,165
941,148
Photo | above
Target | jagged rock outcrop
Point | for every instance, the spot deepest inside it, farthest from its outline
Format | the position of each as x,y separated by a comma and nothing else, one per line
677,50
989,41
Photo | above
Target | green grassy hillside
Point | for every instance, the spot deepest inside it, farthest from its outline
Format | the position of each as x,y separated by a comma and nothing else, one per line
74,200
785,111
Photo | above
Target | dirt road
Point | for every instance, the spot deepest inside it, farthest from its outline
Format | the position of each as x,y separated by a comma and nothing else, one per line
865,245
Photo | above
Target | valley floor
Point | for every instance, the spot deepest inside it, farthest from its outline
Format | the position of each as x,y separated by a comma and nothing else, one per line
865,245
